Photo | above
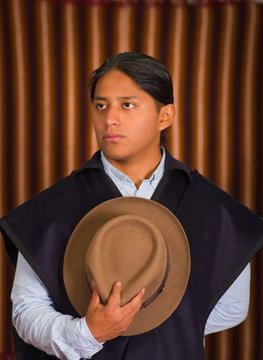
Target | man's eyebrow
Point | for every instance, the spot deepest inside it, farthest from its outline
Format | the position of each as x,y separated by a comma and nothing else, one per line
130,97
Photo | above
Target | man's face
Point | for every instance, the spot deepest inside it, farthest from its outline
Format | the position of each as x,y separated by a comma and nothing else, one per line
125,119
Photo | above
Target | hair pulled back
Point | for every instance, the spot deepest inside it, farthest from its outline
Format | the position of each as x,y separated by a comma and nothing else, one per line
149,73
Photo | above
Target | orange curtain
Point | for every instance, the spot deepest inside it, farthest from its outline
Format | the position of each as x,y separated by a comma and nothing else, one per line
214,52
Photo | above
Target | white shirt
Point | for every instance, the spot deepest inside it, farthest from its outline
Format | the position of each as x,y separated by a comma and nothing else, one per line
39,324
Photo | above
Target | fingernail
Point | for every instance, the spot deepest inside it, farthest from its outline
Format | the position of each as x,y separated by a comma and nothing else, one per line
93,283
143,290
118,283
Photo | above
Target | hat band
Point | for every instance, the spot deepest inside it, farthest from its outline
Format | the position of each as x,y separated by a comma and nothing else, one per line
160,288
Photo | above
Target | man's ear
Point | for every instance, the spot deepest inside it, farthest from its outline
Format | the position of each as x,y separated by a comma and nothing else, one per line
166,116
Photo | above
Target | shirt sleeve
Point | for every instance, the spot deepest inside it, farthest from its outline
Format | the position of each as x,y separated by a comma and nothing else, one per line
232,307
39,324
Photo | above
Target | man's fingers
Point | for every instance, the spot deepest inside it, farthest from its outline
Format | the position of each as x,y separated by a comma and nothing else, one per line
115,297
134,305
137,300
109,321
95,298
130,310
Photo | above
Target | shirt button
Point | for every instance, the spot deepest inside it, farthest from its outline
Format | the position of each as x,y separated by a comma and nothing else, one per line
96,347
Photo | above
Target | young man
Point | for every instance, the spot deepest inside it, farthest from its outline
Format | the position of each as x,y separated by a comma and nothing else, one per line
132,97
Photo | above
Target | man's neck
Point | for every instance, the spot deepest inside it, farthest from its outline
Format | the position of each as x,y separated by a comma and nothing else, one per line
137,171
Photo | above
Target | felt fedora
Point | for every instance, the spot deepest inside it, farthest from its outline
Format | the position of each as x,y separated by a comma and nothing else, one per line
138,242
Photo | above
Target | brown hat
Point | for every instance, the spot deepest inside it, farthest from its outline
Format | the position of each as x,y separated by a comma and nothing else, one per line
138,242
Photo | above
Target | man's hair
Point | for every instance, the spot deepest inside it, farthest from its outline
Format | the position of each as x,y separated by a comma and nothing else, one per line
149,73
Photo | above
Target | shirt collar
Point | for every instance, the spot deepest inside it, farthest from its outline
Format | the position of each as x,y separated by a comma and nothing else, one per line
118,175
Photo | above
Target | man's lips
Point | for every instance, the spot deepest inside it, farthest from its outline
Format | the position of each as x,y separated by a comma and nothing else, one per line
112,137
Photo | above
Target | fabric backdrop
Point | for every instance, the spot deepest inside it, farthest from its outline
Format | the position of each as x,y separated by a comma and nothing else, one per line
214,52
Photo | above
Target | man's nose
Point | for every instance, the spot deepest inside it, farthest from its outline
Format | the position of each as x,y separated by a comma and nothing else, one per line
112,117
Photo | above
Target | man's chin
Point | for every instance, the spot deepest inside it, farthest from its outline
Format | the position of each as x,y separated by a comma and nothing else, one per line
114,156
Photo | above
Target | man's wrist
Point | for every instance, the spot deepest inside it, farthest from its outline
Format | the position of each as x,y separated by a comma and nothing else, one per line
81,339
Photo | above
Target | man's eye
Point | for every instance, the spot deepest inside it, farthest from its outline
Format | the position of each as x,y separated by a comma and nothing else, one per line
100,106
128,105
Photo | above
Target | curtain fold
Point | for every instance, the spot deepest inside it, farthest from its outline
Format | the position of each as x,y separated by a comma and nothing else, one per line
214,52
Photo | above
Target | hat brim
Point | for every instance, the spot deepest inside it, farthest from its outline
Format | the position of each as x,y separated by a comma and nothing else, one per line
74,273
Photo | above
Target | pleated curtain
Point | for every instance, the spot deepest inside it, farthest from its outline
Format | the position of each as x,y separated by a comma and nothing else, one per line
214,52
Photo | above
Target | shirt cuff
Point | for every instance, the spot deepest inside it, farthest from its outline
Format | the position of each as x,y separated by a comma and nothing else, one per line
81,339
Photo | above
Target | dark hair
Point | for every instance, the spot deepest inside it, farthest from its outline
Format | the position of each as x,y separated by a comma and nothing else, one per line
149,73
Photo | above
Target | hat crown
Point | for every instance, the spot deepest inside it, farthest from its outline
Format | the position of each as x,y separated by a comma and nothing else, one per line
130,249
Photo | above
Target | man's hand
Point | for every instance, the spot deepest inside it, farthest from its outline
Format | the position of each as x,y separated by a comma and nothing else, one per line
109,321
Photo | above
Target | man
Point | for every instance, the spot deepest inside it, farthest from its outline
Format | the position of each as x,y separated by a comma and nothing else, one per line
132,99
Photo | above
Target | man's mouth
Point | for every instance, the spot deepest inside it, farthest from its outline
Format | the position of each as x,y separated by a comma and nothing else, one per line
112,137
